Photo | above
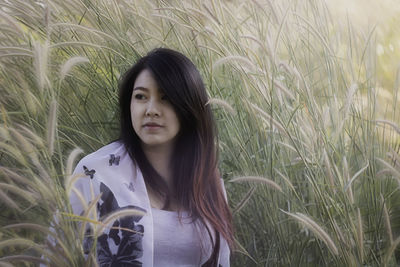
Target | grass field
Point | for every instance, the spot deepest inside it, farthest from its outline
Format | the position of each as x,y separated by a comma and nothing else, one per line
307,106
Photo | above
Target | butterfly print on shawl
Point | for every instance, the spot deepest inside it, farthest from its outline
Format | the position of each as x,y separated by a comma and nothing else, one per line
113,160
127,243
89,173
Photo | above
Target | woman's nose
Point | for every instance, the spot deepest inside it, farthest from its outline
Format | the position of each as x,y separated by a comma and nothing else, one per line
153,108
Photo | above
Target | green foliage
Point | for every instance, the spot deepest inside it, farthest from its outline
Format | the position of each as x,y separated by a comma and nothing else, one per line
315,159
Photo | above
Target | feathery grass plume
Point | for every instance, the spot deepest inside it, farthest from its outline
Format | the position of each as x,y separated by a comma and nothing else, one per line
390,168
355,176
360,235
221,103
16,178
342,238
346,176
109,219
255,40
34,137
285,179
70,63
40,53
268,119
240,249
5,264
14,152
240,59
9,201
316,229
71,158
28,196
257,179
394,156
390,123
26,146
390,251
291,70
214,18
12,22
51,126
89,215
387,220
21,258
328,169
244,200
281,87
4,132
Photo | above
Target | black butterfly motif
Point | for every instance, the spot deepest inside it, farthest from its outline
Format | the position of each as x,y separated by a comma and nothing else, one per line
129,243
114,159
130,186
89,173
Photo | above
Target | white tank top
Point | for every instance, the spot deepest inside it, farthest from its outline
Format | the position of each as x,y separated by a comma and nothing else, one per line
178,243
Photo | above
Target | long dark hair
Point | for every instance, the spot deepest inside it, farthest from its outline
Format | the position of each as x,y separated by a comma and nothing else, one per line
197,185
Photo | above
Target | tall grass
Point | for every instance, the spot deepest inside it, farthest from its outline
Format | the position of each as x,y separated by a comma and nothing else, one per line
311,166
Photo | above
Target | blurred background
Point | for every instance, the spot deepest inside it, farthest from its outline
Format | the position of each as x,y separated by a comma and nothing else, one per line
306,97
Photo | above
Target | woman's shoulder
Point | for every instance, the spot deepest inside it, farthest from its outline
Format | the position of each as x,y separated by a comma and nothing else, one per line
114,148
109,158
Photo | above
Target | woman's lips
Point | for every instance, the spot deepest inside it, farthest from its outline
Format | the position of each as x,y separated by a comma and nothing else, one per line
152,126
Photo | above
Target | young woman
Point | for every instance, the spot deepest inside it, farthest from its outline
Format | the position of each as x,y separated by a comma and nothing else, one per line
164,165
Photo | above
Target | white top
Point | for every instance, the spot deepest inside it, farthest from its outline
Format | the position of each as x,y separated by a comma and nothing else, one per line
109,176
179,242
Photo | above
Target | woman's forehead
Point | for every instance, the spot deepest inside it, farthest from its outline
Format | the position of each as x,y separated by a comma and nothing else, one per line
145,82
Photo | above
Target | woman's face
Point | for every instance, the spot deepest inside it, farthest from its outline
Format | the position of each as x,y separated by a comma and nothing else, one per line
153,117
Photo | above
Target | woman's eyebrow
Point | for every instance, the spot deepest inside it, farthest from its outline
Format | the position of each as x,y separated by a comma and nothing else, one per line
140,88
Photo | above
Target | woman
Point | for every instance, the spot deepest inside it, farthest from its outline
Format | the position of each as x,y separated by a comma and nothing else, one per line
164,165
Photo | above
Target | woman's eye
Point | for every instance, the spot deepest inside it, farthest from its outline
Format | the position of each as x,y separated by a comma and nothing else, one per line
139,96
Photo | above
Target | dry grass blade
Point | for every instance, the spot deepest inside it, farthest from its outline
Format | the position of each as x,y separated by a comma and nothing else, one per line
387,221
24,258
116,215
239,248
392,170
257,179
51,126
281,87
28,196
34,137
394,125
12,22
328,169
395,157
17,242
316,229
26,146
10,202
41,63
67,66
267,118
285,179
5,264
240,59
14,152
391,250
15,177
244,200
71,158
221,103
355,176
360,235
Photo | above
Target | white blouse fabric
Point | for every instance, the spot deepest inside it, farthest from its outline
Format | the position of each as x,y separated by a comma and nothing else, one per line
111,172
180,242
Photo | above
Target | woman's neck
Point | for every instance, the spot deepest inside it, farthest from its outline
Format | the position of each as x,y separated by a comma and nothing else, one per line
160,157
